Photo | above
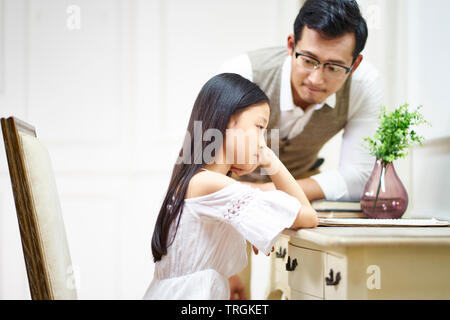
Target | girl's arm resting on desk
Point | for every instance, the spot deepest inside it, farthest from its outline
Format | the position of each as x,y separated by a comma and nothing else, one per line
306,218
284,181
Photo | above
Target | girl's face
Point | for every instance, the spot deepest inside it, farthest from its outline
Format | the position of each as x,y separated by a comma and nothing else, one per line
245,133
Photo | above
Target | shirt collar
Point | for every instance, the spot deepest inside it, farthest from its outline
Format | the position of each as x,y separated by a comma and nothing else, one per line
286,100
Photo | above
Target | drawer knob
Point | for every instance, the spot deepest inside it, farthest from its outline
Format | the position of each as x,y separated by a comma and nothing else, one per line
281,253
289,266
331,281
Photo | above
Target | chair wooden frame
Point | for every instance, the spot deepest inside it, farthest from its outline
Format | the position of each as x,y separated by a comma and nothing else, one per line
38,278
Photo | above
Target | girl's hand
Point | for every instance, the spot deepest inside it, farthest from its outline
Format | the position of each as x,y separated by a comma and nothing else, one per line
267,159
256,250
265,156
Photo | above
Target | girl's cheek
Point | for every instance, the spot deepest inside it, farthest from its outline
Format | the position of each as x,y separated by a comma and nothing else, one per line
230,154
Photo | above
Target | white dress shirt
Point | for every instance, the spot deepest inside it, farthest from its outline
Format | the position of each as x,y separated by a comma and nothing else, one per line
366,98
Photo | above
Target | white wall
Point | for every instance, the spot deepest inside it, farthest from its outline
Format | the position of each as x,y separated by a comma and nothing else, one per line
111,101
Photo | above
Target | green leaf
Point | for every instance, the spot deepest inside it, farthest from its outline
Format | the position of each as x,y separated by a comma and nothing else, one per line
394,135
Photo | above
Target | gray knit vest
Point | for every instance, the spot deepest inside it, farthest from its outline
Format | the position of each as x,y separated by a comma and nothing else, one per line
299,153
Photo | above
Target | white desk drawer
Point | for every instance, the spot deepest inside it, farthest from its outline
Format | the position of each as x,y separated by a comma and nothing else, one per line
307,277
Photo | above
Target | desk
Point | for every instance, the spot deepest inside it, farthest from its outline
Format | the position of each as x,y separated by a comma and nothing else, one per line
372,263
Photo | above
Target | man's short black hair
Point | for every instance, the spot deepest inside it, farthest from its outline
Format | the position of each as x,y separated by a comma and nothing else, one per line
333,18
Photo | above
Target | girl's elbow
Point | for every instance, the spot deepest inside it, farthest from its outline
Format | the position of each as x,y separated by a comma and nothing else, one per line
306,218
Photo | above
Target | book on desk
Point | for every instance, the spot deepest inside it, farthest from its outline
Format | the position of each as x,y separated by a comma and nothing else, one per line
337,209
366,222
349,213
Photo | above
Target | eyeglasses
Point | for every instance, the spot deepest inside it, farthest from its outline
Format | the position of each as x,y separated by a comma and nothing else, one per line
331,70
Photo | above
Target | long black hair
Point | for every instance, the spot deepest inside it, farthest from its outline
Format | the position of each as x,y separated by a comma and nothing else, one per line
221,97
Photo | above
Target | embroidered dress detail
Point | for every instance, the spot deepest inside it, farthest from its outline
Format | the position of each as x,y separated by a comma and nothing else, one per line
238,205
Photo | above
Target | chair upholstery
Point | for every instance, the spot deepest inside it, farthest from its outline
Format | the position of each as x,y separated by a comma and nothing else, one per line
42,231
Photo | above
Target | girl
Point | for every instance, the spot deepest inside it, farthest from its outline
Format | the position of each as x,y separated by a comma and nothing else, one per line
199,240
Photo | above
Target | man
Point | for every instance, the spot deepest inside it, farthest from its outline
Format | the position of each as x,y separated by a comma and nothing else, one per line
318,86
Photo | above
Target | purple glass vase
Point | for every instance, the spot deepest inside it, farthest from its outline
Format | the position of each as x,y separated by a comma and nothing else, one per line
384,196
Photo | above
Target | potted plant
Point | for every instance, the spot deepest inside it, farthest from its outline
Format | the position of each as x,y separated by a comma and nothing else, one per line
384,195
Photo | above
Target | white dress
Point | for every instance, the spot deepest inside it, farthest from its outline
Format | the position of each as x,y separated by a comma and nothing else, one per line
210,244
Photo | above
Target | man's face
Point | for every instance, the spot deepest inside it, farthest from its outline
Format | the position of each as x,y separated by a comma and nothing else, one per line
312,87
